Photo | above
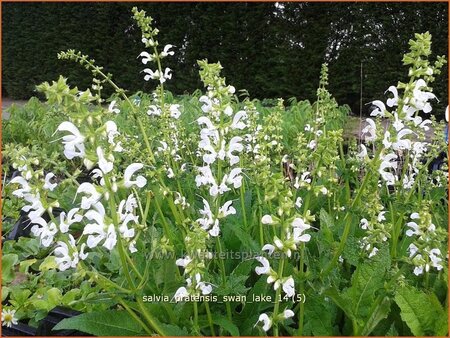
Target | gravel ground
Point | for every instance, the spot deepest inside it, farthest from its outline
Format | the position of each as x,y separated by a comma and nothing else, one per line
6,103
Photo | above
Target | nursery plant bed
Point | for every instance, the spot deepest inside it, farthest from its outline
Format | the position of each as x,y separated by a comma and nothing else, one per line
45,326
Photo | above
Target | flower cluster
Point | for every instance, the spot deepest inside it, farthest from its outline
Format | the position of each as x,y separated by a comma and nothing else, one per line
424,252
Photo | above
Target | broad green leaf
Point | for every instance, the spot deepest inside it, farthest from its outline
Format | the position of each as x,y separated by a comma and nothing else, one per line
227,325
422,312
25,265
49,263
319,317
8,262
102,323
368,278
174,331
341,301
378,314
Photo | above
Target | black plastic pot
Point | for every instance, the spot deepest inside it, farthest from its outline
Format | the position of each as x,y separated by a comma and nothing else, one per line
18,330
53,318
45,326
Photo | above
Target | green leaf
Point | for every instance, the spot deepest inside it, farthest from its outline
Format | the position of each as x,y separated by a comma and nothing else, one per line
341,301
25,265
49,263
422,312
319,317
102,323
378,314
8,262
174,331
227,325
368,278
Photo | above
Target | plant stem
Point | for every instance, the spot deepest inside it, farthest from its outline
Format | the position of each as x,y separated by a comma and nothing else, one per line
135,317
277,298
208,314
223,274
149,318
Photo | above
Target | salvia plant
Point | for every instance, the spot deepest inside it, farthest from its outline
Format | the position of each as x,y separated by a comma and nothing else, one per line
206,215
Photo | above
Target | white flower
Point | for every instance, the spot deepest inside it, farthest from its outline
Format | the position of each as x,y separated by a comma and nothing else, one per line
25,186
363,153
414,229
387,163
373,252
401,144
288,287
267,322
381,217
180,294
146,57
312,144
48,185
66,257
207,103
298,202
73,144
380,108
265,269
235,178
183,262
435,260
104,165
92,195
370,129
44,231
234,145
112,108
151,74
299,237
166,76
364,224
166,51
227,209
420,99
300,224
111,238
72,217
288,314
237,123
324,190
393,101
153,110
267,219
129,171
269,248
398,124
99,230
175,111
8,318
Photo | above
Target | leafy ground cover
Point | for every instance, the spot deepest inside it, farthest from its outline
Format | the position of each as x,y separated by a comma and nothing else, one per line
215,214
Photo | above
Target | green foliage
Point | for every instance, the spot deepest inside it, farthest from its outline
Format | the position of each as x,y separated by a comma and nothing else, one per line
422,312
104,323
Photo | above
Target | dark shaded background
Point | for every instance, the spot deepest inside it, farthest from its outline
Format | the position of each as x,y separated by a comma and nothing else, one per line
272,50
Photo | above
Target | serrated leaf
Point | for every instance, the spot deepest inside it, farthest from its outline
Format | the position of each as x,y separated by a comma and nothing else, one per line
421,312
367,279
319,317
378,314
226,324
102,323
341,301
174,331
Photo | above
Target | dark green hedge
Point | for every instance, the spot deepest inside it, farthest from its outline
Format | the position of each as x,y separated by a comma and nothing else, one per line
270,50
